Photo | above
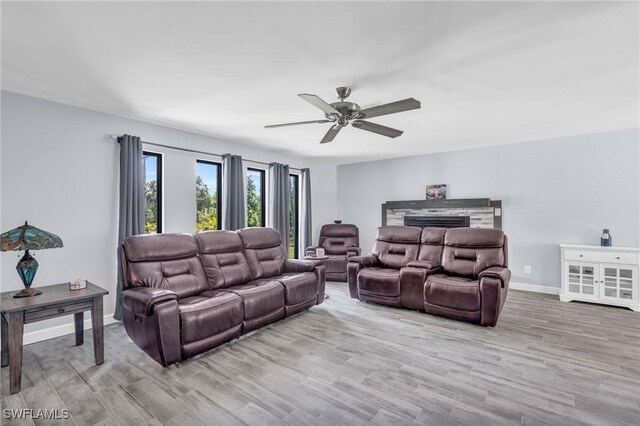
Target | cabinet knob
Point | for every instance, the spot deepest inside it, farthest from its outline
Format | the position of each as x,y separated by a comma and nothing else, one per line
618,257
581,256
61,310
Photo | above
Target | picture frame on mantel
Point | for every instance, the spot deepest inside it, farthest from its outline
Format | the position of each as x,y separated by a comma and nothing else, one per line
436,192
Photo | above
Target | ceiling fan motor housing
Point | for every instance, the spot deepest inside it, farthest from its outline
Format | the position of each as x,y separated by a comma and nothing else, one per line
346,109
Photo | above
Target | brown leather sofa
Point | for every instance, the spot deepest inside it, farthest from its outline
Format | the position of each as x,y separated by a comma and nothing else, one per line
340,242
185,294
458,273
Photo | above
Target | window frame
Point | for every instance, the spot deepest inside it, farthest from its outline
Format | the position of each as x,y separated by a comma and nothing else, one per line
296,200
218,189
159,189
263,194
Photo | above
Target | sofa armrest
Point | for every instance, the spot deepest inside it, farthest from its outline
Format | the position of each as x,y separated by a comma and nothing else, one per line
151,318
494,285
353,251
315,266
423,264
294,265
354,264
353,269
498,272
368,261
140,300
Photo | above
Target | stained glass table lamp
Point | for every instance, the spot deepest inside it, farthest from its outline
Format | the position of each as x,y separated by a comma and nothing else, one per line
27,237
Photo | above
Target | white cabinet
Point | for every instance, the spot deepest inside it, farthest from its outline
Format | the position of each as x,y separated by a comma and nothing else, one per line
598,274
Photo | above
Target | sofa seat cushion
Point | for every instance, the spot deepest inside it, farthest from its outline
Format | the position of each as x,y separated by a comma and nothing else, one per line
208,314
452,292
259,299
380,281
336,263
299,287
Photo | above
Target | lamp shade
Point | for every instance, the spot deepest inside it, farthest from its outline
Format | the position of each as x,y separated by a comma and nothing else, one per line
27,237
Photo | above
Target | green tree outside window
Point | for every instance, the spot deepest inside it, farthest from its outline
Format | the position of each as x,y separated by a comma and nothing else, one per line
255,206
206,207
151,214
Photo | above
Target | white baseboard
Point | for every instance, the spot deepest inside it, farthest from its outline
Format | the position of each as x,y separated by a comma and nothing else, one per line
534,288
60,330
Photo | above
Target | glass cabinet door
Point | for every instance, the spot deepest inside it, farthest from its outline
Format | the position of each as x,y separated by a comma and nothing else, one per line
582,278
618,282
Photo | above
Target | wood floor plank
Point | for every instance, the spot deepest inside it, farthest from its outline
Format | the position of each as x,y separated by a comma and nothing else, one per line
122,406
38,393
14,402
253,414
155,400
288,387
337,415
204,411
299,416
74,392
263,397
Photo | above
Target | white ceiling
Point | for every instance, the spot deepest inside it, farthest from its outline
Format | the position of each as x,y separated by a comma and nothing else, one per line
486,73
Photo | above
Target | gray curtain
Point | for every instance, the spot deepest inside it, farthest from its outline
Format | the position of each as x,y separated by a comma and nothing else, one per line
233,196
132,200
279,193
305,212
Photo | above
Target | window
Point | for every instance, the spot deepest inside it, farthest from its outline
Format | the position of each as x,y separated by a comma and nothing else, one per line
153,192
208,182
255,197
293,217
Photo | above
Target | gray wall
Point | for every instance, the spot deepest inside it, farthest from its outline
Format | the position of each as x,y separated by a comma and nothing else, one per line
59,170
553,191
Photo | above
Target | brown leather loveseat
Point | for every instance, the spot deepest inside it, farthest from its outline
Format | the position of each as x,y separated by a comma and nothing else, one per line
458,273
185,294
340,242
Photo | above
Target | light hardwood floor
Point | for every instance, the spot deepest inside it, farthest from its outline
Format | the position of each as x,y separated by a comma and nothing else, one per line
350,363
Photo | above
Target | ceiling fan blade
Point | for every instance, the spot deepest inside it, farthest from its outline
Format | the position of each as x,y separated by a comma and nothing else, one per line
377,128
331,134
391,108
271,126
318,103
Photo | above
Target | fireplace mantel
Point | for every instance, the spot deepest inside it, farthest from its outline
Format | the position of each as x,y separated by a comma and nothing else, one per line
483,212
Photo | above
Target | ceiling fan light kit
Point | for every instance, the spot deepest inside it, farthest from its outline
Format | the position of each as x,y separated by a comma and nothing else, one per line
343,112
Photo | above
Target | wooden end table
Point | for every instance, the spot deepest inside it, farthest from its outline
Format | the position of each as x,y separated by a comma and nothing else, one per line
55,301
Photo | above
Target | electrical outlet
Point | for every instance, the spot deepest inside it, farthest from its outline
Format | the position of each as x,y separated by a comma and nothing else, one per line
527,269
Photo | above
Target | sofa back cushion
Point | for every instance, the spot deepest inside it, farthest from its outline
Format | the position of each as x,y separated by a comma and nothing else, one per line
431,244
223,258
396,246
164,261
264,251
469,251
337,238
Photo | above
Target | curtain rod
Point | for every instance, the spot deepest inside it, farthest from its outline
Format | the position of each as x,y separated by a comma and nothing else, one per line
195,151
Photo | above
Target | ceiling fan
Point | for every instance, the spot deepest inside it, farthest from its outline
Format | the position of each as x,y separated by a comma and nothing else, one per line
342,112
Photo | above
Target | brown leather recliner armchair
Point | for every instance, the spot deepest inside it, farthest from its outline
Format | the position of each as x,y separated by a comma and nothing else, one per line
458,273
184,295
340,242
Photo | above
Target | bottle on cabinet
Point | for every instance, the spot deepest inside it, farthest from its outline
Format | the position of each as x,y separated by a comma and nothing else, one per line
605,238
